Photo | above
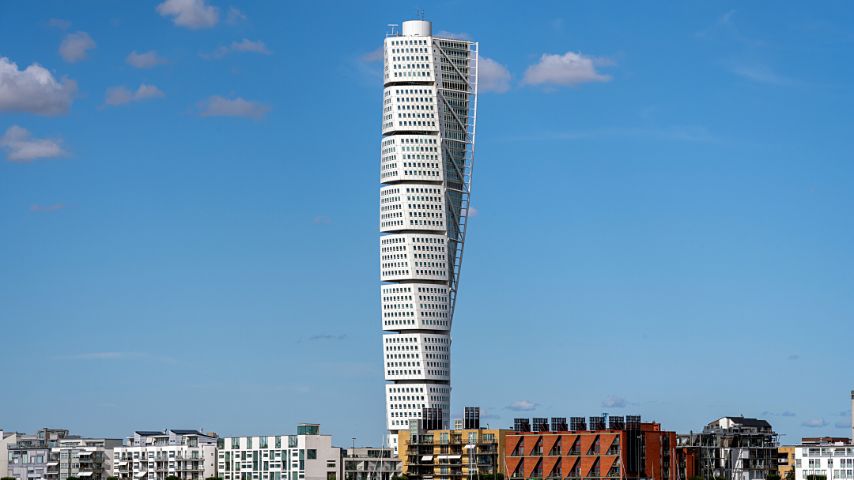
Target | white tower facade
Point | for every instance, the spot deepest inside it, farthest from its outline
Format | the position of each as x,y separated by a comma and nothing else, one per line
428,132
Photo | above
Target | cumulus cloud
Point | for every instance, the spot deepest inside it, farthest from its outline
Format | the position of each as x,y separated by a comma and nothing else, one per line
192,14
614,402
568,69
492,76
814,423
33,90
121,95
217,106
20,146
243,46
522,406
75,46
147,59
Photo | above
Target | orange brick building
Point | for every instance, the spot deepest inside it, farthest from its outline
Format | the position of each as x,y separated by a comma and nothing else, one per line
630,450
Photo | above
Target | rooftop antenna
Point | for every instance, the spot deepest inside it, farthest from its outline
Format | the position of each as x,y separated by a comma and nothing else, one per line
392,29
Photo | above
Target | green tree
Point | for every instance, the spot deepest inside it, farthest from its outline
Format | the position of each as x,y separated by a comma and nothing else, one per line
172,477
772,476
209,478
790,474
8,478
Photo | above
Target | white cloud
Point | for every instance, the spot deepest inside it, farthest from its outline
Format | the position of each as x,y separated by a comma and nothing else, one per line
762,74
147,59
59,23
75,46
492,76
815,423
565,70
234,16
243,46
121,95
53,207
193,14
375,55
217,106
33,90
614,402
20,146
522,406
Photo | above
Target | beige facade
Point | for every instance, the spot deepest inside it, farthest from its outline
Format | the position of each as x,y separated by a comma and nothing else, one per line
452,454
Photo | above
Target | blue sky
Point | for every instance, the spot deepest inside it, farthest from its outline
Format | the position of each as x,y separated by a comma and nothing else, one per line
188,209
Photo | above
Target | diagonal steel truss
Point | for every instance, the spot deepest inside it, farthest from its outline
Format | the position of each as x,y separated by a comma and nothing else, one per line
458,208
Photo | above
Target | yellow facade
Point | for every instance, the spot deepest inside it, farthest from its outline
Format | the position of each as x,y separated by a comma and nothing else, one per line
452,454
785,460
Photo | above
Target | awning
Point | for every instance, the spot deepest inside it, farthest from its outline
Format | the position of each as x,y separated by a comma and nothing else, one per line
51,464
122,464
84,453
427,458
84,474
140,474
450,457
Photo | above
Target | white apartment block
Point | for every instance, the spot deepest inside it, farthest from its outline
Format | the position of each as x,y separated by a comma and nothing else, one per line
155,455
831,461
308,455
427,155
84,458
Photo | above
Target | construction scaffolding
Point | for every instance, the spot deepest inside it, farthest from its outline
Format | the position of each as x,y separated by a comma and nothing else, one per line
732,448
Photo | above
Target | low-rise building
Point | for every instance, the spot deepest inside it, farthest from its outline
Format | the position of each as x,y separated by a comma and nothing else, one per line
308,455
368,463
625,448
825,461
155,455
83,458
732,448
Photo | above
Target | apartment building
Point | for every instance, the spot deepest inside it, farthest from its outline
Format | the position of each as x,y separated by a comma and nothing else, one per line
308,455
155,455
624,449
28,457
825,460
83,458
732,448
6,439
368,463
428,451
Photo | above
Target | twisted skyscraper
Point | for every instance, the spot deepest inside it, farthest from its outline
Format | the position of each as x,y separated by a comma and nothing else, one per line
428,129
